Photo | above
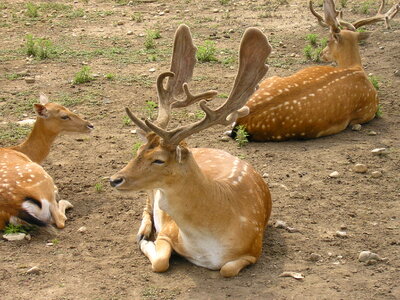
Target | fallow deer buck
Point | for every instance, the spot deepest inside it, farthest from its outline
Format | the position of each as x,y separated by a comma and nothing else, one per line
322,100
209,206
27,192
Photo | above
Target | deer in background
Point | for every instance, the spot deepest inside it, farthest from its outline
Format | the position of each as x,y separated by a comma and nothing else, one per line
322,100
27,192
208,206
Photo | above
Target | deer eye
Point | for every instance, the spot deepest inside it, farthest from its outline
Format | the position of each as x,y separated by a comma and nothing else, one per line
158,162
65,117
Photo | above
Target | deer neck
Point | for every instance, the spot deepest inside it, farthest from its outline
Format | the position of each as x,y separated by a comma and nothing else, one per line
352,58
37,145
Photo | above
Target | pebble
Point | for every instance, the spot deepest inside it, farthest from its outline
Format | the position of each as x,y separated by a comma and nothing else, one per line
152,70
33,270
225,138
14,236
334,174
372,132
376,174
356,127
360,168
30,80
130,32
343,227
280,224
49,244
340,233
379,151
397,73
133,131
119,23
82,229
315,257
265,175
369,257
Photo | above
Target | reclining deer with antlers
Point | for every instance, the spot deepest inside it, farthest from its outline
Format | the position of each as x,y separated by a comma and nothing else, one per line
322,100
207,205
27,191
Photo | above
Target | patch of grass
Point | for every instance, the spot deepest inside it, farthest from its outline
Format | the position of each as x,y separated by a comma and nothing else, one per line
199,114
137,17
11,228
69,101
32,10
98,187
312,38
11,133
365,7
151,35
206,52
150,108
55,241
13,76
224,2
308,51
343,3
126,121
313,50
83,75
241,136
38,47
136,147
379,112
375,81
110,76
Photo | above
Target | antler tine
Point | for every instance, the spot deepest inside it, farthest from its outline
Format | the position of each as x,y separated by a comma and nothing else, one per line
139,123
191,99
254,50
320,19
379,16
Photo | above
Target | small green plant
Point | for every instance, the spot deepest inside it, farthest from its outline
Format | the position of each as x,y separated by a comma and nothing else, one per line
38,47
98,187
150,108
136,147
55,241
343,3
206,52
32,10
199,114
151,35
312,38
110,76
126,121
13,76
375,81
137,17
241,135
83,75
11,228
379,112
365,7
224,2
308,51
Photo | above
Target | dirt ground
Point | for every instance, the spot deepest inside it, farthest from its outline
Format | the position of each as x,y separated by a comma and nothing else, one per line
104,262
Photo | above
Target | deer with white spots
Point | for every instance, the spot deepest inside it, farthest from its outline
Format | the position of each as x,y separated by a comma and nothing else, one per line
207,205
318,101
27,192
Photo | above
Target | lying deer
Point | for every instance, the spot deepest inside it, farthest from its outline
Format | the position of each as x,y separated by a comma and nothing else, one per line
27,192
322,100
209,206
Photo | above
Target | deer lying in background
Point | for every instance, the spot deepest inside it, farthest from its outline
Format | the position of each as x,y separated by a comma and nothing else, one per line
209,206
318,101
27,192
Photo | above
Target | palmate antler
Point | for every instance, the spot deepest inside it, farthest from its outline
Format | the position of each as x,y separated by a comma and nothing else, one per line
333,18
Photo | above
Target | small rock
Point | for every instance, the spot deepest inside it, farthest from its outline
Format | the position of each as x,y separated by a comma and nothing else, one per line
372,132
133,131
215,10
119,23
381,47
379,151
29,79
315,257
265,175
152,70
49,244
228,133
280,224
360,168
356,127
376,174
334,174
293,55
82,229
343,227
370,257
33,270
167,10
292,274
341,234
225,138
231,30
161,13
14,236
397,73
130,32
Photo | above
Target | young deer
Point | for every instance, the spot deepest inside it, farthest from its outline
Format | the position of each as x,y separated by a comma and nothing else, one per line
27,192
322,100
208,206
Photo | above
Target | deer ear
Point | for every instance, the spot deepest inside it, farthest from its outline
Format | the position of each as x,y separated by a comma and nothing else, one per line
43,99
41,111
362,36
142,134
181,153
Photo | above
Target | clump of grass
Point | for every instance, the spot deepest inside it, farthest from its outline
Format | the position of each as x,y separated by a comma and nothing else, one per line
136,147
308,51
137,17
375,81
224,2
150,108
98,187
241,136
69,101
13,76
126,121
313,50
11,228
206,52
365,7
55,241
312,38
83,76
379,112
32,10
38,47
151,36
343,3
110,76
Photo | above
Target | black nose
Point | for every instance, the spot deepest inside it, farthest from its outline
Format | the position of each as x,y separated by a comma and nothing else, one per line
90,126
116,182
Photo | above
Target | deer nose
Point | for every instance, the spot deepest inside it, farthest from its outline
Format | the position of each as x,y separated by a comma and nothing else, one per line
117,181
90,126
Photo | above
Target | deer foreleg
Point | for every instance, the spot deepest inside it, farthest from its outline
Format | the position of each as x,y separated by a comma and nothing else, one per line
58,217
158,252
146,225
232,268
63,205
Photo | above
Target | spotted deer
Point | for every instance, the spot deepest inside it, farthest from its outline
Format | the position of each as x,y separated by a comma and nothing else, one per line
27,191
208,206
321,100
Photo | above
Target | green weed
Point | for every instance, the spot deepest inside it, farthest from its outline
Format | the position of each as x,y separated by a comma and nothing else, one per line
136,147
83,76
110,76
32,10
343,3
13,76
241,136
150,108
312,38
313,50
137,17
126,121
206,52
38,47
379,112
98,187
375,81
11,228
224,2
